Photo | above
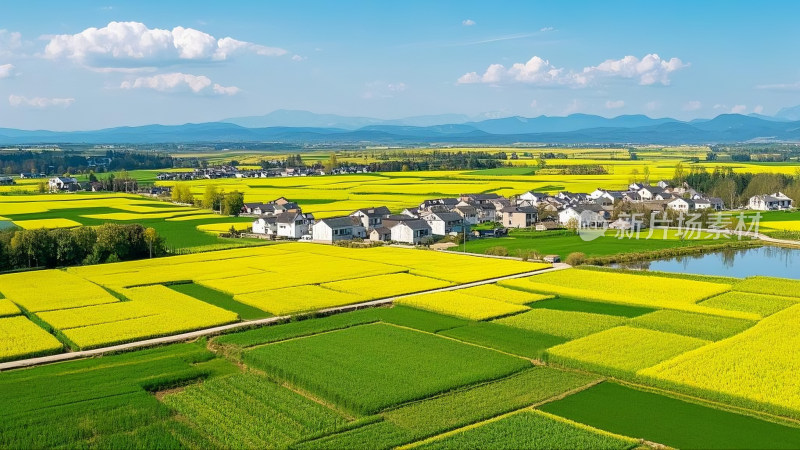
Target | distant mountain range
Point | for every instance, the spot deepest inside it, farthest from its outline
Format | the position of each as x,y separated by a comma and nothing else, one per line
299,127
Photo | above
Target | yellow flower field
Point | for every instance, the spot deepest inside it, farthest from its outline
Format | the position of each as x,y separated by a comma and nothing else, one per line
223,227
495,292
640,290
298,299
759,364
46,223
7,308
45,290
383,286
622,350
566,324
124,216
173,313
19,338
458,304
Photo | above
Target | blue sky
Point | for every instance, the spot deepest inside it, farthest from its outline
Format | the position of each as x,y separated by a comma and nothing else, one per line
87,65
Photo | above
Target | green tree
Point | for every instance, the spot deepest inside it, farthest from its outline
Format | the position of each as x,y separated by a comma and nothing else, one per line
233,203
211,197
332,163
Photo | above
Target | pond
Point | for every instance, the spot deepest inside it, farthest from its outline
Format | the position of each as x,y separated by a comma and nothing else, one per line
767,261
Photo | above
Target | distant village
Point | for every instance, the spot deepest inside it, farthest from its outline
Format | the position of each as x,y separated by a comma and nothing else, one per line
437,218
216,172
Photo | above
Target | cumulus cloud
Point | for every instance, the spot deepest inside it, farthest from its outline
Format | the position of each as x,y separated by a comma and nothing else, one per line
546,29
759,109
649,70
780,86
693,105
179,82
615,104
39,102
133,44
298,58
738,109
7,71
468,22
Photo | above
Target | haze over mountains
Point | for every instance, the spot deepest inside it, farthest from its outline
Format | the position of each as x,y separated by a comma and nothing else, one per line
298,127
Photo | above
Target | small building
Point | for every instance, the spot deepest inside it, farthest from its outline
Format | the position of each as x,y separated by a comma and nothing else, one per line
444,223
519,216
468,213
6,181
380,234
770,202
371,217
333,229
411,231
292,225
57,184
265,225
584,215
681,204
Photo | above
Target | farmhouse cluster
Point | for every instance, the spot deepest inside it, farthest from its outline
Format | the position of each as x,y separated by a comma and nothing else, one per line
485,214
216,172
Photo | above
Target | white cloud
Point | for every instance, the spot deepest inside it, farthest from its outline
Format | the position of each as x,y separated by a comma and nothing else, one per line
132,44
720,106
179,82
534,104
298,58
649,70
468,22
7,71
692,105
382,89
759,109
738,109
10,42
780,86
39,102
546,29
615,104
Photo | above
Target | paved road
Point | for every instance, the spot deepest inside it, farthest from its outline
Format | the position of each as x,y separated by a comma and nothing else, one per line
244,324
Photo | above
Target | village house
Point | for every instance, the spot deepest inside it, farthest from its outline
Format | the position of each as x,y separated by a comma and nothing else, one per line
57,184
411,231
584,215
468,213
371,217
380,234
519,216
444,223
682,204
770,202
292,224
267,225
334,229
6,181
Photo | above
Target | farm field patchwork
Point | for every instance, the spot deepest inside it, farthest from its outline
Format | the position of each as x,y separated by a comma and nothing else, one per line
370,367
531,430
566,324
702,326
761,304
21,338
459,304
622,351
517,341
649,291
670,421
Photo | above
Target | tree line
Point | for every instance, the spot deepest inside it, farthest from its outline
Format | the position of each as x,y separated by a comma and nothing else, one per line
229,204
735,189
57,247
56,163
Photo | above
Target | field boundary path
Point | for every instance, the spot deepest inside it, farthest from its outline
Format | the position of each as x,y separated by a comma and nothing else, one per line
213,331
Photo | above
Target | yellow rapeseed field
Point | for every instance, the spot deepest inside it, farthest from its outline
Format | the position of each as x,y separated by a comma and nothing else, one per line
640,290
566,324
19,338
45,290
622,350
458,304
298,299
496,292
7,308
382,286
760,364
173,313
46,223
